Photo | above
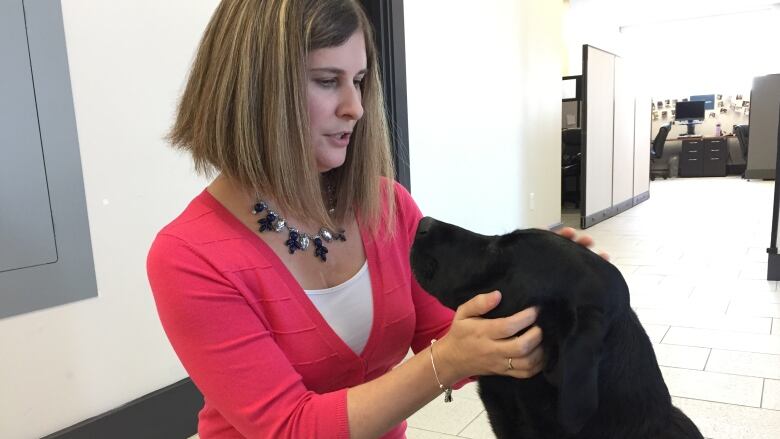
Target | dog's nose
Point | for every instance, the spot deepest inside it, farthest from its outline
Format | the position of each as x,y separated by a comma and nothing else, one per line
425,225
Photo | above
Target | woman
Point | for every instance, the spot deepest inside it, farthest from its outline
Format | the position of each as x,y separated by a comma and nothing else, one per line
285,286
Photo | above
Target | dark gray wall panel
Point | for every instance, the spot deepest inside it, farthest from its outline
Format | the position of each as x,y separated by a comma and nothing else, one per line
40,159
26,231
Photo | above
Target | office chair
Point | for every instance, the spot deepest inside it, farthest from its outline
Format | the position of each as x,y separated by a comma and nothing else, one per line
571,160
659,168
743,135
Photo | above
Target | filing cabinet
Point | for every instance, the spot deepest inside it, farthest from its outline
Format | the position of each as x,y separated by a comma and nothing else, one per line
714,158
691,158
703,157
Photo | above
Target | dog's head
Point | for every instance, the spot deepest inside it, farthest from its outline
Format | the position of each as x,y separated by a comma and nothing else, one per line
529,267
454,264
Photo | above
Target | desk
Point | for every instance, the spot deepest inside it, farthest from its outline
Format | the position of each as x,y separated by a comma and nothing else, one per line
703,156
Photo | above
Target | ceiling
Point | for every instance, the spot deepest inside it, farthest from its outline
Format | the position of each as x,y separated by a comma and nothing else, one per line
638,12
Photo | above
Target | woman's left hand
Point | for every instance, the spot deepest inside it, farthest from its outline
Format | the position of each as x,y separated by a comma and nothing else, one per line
583,240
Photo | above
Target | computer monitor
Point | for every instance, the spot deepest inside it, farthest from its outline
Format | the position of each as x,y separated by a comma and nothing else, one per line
689,113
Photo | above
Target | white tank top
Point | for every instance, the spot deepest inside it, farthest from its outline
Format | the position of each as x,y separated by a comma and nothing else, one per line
348,308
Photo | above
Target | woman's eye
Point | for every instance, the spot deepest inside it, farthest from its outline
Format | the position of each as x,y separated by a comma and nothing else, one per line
358,83
327,83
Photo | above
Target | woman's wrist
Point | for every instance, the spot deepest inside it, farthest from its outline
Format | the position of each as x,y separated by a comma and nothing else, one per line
447,366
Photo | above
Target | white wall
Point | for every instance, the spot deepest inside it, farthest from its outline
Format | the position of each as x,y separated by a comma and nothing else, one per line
678,47
589,22
128,61
484,97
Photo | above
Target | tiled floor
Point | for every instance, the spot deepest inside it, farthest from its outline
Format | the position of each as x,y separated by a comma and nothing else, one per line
694,256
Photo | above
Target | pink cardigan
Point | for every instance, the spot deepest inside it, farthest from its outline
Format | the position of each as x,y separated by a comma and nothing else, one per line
267,363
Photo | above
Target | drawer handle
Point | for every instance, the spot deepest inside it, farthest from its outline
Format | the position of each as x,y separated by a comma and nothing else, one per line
693,160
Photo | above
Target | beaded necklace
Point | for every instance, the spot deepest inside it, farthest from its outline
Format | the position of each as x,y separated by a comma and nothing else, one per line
296,239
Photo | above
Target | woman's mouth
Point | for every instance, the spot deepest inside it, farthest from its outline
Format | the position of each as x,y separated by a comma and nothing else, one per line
340,139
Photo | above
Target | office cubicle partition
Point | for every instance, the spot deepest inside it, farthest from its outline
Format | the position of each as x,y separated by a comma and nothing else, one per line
615,140
762,151
773,262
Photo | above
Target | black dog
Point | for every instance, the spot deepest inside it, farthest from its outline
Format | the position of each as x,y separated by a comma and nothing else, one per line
601,379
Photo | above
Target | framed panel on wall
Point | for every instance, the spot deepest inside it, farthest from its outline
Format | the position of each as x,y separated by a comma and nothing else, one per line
45,248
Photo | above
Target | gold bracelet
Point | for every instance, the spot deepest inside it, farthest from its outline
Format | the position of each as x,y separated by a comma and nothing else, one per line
447,390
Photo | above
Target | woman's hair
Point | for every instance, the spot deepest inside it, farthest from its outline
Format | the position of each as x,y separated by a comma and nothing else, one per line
243,111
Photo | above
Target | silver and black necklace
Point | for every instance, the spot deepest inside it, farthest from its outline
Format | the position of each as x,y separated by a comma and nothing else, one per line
296,239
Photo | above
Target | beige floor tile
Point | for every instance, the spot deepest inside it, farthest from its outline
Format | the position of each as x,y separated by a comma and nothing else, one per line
739,295
744,363
686,305
753,308
449,418
643,298
717,387
468,391
674,291
725,421
625,270
684,357
688,282
757,254
479,428
665,269
655,332
775,326
738,286
416,433
771,398
705,320
754,270
638,281
650,260
728,340
671,253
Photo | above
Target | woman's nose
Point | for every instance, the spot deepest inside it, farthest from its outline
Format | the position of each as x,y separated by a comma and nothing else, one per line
351,106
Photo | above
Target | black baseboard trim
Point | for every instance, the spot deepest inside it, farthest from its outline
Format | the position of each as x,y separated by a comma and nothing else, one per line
773,269
555,227
592,220
168,413
641,198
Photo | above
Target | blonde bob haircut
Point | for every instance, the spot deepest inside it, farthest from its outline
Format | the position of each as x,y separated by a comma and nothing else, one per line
243,111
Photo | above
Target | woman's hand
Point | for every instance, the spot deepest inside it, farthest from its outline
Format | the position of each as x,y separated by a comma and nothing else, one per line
583,240
479,346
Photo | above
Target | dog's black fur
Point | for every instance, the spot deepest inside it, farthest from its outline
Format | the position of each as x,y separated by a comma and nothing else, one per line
601,379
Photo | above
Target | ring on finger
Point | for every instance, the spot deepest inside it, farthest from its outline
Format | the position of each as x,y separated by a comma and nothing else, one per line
509,364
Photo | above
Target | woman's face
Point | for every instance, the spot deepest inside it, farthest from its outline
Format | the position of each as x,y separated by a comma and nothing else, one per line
334,98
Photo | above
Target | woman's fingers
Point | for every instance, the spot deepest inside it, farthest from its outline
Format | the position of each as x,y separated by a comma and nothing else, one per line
527,366
570,233
509,326
522,345
584,240
478,305
567,232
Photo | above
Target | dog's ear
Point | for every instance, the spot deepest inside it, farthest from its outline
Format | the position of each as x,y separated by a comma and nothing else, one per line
578,366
